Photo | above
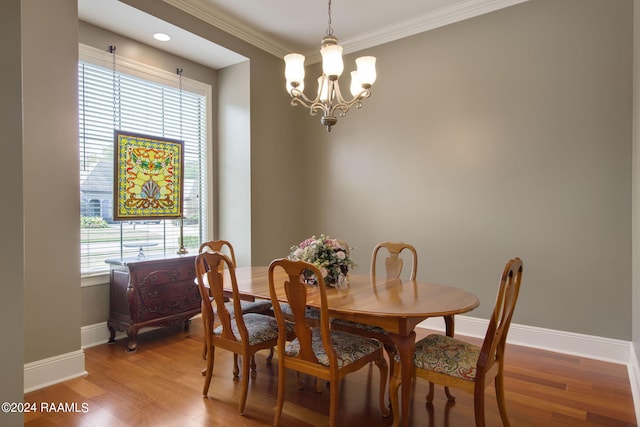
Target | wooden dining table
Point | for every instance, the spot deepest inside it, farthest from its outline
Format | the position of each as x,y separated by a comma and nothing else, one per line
396,305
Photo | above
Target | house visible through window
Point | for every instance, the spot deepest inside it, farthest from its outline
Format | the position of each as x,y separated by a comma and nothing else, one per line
144,101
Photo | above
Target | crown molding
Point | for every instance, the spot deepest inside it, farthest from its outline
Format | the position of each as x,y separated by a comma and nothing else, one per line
205,13
418,24
425,22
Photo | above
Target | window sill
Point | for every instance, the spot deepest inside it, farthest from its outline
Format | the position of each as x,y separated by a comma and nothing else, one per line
94,280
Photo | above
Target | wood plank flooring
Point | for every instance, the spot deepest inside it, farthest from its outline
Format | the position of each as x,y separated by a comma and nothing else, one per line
161,385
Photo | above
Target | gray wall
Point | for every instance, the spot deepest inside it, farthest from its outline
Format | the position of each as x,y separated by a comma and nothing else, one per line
504,135
636,183
234,159
11,226
51,185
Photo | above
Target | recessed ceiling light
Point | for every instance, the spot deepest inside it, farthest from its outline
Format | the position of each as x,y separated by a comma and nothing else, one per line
162,37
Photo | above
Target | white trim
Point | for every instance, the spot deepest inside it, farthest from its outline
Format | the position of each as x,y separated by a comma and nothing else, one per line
53,370
592,347
99,279
419,24
634,378
96,334
141,70
206,13
57,369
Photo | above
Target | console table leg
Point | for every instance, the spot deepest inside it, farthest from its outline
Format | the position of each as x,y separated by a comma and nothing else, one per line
112,334
132,333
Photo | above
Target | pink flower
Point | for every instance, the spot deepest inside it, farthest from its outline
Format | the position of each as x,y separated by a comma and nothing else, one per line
306,243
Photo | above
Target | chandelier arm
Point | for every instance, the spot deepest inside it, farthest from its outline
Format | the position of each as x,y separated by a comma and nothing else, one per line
338,94
299,98
344,105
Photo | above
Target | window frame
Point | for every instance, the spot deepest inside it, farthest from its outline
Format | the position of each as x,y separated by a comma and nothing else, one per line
151,73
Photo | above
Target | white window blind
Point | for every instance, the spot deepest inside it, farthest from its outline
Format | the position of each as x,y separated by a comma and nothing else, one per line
140,101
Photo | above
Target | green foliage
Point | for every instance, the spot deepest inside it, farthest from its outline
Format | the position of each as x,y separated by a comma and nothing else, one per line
92,222
190,241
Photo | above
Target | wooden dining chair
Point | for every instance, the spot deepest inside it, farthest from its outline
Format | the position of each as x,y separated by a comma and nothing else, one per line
393,263
244,335
393,268
261,306
454,363
317,351
222,246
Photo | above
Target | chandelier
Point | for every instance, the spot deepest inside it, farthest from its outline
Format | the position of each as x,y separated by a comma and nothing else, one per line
329,99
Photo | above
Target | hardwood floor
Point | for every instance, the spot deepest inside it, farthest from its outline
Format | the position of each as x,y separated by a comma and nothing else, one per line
161,385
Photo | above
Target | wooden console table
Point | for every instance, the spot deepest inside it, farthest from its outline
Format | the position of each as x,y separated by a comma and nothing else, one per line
151,292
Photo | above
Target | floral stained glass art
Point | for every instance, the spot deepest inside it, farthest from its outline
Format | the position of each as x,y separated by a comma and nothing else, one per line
148,181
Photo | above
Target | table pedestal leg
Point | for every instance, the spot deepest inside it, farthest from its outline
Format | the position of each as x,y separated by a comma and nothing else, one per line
450,327
405,345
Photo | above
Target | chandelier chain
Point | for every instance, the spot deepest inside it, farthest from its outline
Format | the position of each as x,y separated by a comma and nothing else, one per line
179,73
329,29
115,86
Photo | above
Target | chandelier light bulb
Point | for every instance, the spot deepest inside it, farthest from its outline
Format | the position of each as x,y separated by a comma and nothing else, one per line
356,86
332,64
366,70
294,68
323,88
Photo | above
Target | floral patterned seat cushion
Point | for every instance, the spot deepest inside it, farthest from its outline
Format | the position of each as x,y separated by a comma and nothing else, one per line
260,327
362,326
310,312
443,354
257,306
349,347
261,306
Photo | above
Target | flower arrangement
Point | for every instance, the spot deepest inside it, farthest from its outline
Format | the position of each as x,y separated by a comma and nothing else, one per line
330,256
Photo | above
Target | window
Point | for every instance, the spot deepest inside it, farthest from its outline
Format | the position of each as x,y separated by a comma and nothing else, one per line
144,100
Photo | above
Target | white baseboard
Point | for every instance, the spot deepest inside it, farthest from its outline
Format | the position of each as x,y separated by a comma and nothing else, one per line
96,334
53,370
634,379
592,347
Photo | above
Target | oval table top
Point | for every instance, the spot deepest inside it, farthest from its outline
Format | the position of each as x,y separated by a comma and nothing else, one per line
362,295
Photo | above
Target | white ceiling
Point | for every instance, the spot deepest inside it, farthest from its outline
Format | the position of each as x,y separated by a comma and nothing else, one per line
283,26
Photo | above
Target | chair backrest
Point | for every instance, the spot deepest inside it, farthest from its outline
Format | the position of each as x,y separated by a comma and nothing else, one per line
219,246
393,263
210,265
296,291
494,342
